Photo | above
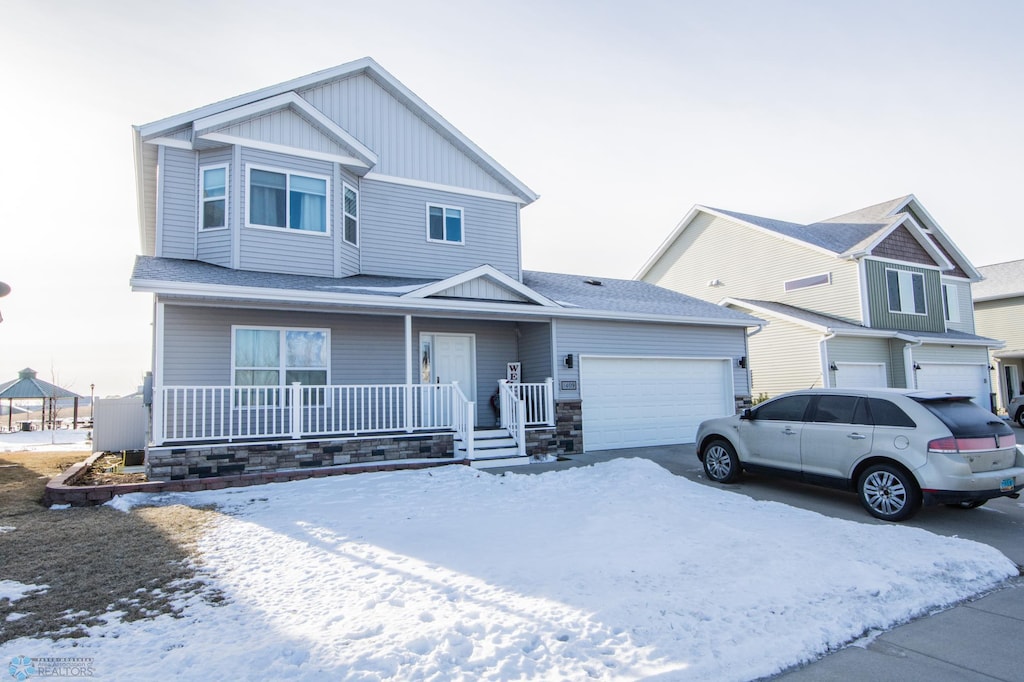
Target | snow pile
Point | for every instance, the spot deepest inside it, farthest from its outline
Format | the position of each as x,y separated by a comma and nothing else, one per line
616,571
57,440
13,590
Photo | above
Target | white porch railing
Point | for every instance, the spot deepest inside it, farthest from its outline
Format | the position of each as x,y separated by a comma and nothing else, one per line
539,399
513,414
228,413
464,418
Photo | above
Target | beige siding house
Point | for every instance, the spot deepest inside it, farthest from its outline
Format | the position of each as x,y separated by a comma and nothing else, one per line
880,296
999,312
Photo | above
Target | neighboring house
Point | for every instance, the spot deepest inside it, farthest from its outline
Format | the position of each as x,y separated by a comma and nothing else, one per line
999,312
878,297
337,279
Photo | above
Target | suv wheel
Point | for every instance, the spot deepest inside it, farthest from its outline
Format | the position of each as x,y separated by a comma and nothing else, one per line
720,462
1020,417
888,492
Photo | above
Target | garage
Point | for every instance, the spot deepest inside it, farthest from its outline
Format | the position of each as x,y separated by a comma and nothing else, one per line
635,402
953,377
861,375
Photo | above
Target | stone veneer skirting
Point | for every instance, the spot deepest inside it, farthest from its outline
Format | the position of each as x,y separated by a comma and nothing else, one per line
567,436
209,460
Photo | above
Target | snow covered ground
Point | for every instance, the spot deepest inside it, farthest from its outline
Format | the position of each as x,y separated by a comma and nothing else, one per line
49,440
615,571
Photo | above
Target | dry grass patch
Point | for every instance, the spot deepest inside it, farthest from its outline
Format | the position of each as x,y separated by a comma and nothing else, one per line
94,560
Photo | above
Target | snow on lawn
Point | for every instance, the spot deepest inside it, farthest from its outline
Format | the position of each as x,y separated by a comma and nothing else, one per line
48,440
615,571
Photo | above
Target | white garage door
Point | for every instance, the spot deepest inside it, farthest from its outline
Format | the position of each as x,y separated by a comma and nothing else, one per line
634,402
861,375
969,380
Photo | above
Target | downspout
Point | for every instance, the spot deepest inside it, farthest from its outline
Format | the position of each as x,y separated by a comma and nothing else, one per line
908,363
826,380
746,350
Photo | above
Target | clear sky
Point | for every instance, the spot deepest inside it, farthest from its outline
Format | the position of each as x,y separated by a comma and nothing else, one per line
622,116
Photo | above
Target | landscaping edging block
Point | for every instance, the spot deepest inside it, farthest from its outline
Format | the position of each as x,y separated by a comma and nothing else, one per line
61,489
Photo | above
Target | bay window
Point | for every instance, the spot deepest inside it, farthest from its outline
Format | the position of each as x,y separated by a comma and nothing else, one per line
287,200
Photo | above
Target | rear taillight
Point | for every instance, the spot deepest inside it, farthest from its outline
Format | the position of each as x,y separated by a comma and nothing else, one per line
977,444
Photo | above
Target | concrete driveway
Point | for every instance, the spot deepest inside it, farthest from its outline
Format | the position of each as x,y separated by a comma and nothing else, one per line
977,640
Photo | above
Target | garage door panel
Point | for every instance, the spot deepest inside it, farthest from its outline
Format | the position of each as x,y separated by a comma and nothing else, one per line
955,378
633,402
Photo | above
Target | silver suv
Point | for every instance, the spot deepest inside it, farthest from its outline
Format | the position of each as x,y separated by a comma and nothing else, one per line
898,449
1016,409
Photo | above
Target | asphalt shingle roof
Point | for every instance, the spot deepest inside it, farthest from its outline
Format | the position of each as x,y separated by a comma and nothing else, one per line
613,296
837,235
1001,280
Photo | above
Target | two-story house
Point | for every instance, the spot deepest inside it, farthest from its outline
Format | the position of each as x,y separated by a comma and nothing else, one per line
999,312
337,279
877,297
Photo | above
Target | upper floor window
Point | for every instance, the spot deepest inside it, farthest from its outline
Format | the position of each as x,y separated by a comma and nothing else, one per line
950,303
279,357
287,200
906,292
351,209
213,189
804,282
444,224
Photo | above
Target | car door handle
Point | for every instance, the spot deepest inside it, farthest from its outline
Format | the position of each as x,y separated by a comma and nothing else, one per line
856,436
789,432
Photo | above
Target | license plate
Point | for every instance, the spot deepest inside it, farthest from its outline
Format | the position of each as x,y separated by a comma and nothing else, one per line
1006,484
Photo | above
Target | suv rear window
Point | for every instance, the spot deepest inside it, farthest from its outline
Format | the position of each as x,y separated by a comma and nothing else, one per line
964,418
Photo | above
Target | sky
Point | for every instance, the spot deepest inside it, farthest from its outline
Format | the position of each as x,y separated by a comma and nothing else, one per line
620,571
622,116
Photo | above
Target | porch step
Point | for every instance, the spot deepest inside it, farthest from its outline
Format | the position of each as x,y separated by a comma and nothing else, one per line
510,459
492,448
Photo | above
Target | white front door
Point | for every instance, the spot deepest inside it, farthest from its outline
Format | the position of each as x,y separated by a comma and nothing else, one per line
450,358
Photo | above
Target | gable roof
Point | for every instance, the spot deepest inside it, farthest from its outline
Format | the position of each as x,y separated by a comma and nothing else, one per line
851,235
827,324
544,294
1002,280
365,66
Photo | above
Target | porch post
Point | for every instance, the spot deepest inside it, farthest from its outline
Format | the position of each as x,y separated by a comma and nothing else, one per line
408,374
550,400
296,409
159,433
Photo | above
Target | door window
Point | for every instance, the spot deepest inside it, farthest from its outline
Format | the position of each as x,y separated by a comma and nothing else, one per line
790,409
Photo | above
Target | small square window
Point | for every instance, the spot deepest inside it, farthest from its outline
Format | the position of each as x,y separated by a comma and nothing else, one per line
444,224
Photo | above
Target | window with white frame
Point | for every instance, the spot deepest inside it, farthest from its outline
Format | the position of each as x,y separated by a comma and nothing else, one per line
213,190
905,292
444,224
287,200
805,282
279,357
351,211
950,303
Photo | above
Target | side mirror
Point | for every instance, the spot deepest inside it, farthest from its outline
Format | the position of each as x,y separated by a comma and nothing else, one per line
746,414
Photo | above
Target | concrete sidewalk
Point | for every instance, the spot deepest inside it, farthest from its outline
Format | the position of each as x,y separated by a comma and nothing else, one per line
979,640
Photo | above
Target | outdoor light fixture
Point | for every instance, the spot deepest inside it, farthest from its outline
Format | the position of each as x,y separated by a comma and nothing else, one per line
917,366
568,360
742,361
833,367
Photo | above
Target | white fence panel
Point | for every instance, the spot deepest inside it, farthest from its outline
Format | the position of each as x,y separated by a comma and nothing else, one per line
119,424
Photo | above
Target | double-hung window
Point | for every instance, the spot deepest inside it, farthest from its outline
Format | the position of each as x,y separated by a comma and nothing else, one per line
213,190
351,211
279,357
905,292
950,303
444,224
287,200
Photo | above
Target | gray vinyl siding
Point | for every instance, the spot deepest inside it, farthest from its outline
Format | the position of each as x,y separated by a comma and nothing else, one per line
214,246
784,357
197,344
935,352
287,128
393,233
287,251
406,146
965,305
897,363
878,299
178,206
1002,319
859,349
638,339
148,180
754,264
535,351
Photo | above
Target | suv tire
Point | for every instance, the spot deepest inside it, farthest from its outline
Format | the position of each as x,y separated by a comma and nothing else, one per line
888,492
1020,417
720,461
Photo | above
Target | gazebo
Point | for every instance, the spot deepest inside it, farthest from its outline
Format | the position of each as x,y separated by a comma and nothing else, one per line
28,387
